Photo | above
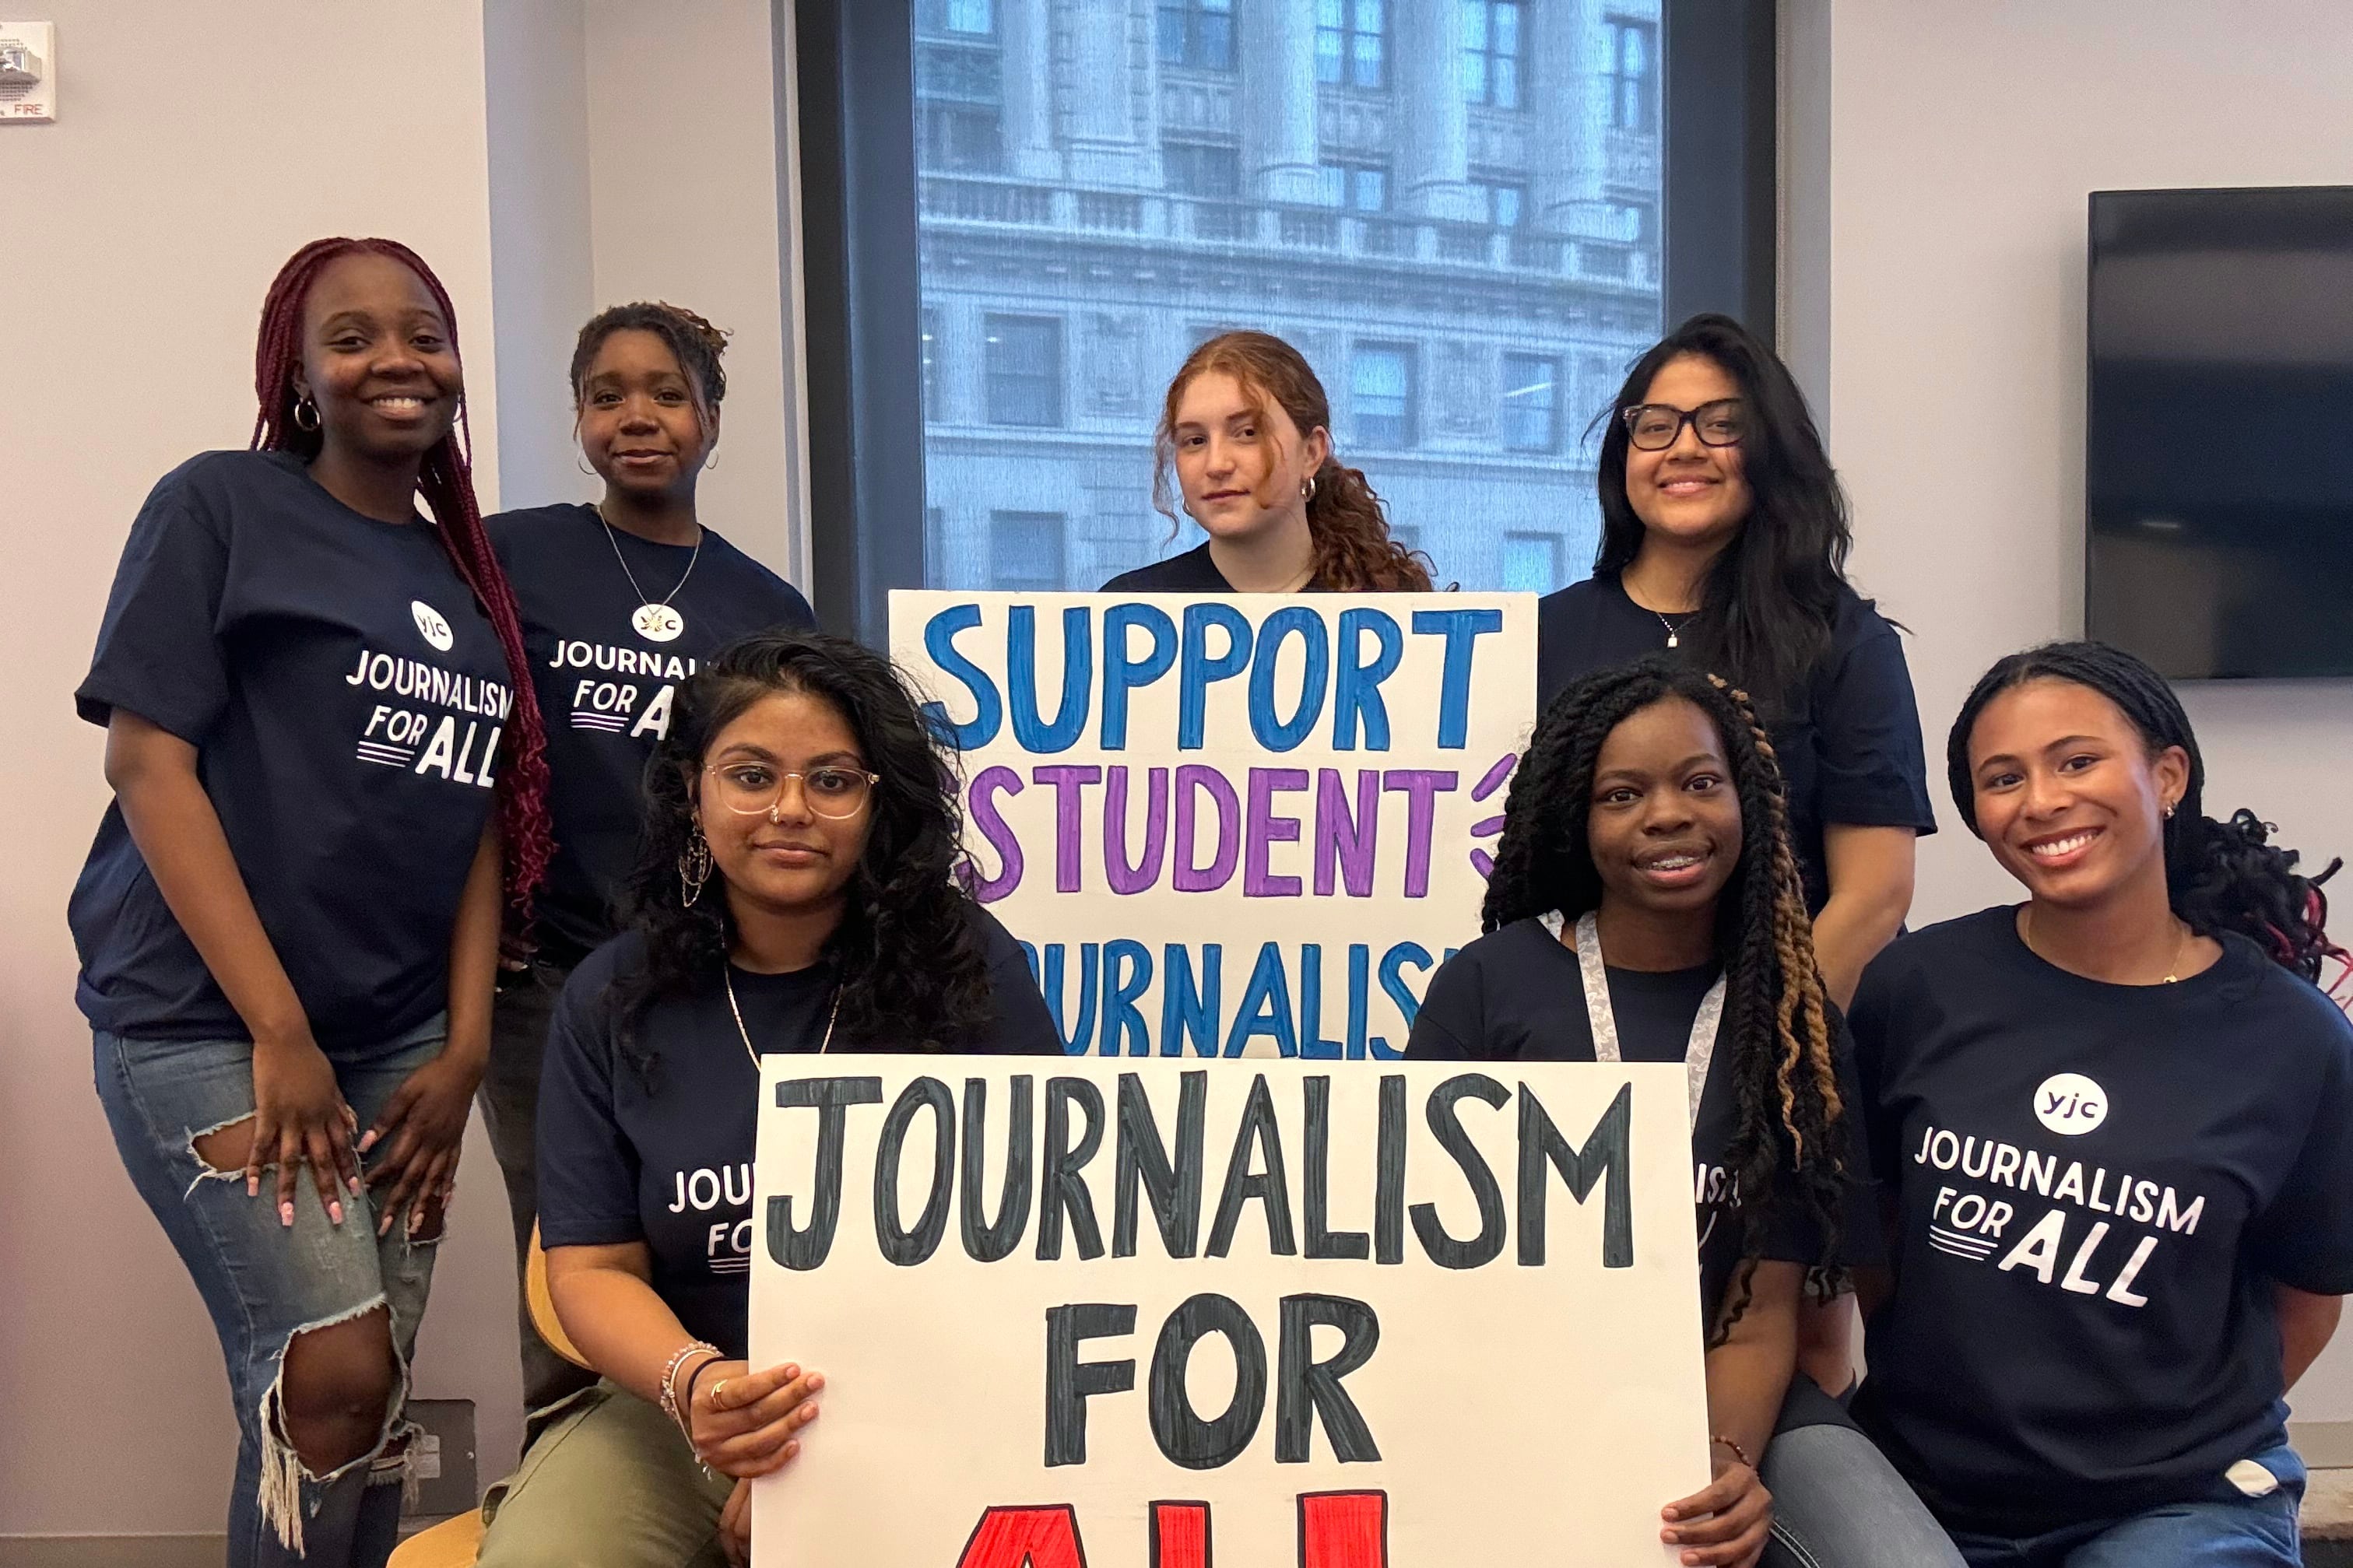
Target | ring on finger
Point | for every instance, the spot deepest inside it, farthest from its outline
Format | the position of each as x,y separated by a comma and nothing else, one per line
715,1389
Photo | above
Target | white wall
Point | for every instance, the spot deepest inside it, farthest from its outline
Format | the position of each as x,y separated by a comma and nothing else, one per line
1940,158
141,231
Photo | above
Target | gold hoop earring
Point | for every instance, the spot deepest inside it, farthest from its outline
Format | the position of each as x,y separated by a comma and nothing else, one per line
302,401
693,867
1307,488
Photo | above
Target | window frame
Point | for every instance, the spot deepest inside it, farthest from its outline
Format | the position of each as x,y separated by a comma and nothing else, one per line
1350,36
1487,54
1552,367
1192,14
847,81
1053,381
1408,356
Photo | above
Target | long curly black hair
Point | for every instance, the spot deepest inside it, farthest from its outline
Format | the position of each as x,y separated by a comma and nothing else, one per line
1776,1023
912,973
2218,876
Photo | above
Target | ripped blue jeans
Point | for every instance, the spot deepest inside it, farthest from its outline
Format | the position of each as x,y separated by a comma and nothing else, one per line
265,1283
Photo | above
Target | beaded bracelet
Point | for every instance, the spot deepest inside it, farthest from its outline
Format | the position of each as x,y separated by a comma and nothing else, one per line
669,1376
1738,1452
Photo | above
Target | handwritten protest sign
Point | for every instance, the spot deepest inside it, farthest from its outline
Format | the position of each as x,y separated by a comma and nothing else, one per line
1157,1314
1241,826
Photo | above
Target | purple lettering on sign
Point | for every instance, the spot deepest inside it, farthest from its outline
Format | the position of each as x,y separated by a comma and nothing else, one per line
1423,786
1265,828
1069,779
1344,844
1190,876
993,828
1126,876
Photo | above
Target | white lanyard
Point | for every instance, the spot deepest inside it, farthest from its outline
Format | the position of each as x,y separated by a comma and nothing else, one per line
1697,1055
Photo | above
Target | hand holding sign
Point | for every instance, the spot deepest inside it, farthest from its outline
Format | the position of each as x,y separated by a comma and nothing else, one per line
745,1422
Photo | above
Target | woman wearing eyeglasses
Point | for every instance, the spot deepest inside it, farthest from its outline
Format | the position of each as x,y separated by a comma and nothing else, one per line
1724,538
794,892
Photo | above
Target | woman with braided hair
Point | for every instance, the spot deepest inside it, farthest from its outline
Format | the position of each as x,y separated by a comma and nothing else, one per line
2116,1126
620,602
321,736
1247,432
1645,907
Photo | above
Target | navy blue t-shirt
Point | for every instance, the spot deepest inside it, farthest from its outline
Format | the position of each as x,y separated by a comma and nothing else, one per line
605,689
1848,743
670,1164
2097,1186
1190,572
1518,995
346,695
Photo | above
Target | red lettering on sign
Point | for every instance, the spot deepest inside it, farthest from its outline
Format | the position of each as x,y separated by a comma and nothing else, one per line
1044,1536
1344,1530
1180,1535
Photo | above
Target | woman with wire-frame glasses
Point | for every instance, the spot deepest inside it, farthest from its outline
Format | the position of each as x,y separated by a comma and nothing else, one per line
1724,539
793,892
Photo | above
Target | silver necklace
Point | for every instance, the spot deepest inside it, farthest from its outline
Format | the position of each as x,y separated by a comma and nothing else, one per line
655,621
1674,628
727,978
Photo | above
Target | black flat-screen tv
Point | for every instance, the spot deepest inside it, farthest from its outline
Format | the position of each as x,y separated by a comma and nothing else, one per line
2218,452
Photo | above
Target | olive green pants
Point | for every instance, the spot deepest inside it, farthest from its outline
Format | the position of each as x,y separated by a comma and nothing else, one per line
610,1481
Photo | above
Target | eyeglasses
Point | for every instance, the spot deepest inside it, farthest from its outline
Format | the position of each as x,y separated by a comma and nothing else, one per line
756,789
1655,427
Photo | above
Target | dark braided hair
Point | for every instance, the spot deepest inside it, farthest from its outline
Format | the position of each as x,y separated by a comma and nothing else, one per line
446,478
2218,876
913,971
1775,1020
1770,600
695,343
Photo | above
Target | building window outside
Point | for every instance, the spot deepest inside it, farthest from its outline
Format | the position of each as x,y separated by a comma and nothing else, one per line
1380,385
1025,551
959,89
1633,76
1530,563
1506,201
1025,370
961,18
1530,420
1354,187
1198,33
1351,43
1199,168
1492,35
933,411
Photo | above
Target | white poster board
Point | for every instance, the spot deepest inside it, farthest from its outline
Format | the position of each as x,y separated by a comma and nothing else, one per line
1245,825
1277,1315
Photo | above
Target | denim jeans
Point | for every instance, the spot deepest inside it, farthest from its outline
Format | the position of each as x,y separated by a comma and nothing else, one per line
264,1283
1838,1503
510,1100
2223,1527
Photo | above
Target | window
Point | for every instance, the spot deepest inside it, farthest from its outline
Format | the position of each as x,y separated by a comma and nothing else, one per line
1530,422
1491,52
1633,76
1506,201
1351,43
959,86
1530,563
1354,187
964,18
1380,384
1025,551
1025,370
1195,169
1198,33
933,411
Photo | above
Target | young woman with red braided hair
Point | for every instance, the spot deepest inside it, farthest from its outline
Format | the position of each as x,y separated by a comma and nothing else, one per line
326,760
1646,906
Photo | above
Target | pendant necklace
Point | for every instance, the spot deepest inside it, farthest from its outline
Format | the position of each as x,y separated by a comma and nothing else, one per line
727,978
654,620
1674,628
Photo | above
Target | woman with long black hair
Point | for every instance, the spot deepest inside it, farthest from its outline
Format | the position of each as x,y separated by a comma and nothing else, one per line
321,738
795,891
1645,907
2116,1125
1724,539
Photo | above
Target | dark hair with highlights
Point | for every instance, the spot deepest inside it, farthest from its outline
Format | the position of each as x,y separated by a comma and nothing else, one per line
1775,1019
1770,599
911,970
695,343
1354,552
446,480
2218,876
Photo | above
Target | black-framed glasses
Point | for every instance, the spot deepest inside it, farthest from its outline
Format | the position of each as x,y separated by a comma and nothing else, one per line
756,789
1655,427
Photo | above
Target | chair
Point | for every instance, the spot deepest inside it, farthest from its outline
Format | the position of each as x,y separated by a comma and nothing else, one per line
456,1541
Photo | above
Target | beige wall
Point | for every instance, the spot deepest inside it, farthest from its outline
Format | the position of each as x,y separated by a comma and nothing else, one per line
1939,157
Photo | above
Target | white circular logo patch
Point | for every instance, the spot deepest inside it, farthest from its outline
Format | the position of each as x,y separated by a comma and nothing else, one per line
431,626
2070,1104
658,623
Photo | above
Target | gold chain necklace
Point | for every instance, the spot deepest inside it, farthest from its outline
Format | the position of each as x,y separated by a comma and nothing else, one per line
727,978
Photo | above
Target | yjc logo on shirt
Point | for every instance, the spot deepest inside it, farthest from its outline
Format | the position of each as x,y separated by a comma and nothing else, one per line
431,627
2070,1104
